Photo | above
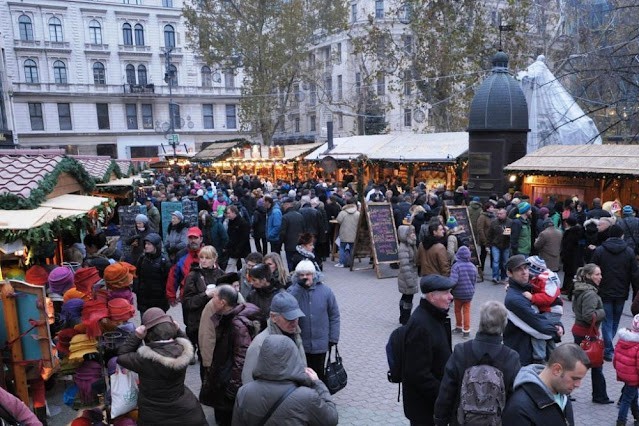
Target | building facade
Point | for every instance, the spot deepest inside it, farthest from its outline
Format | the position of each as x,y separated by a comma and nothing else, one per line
95,78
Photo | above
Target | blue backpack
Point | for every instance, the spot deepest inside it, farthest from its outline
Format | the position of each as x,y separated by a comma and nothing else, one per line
395,356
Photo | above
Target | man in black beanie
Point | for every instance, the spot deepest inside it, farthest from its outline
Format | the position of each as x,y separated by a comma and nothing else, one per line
619,269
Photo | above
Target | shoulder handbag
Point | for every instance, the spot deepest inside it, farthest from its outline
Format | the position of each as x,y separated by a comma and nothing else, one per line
270,412
335,375
593,345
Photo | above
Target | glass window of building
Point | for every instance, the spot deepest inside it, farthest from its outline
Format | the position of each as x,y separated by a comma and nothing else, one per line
147,116
26,28
95,32
231,117
207,77
99,73
35,115
207,116
130,74
127,34
142,80
64,116
31,72
55,30
131,116
102,111
169,36
139,35
60,72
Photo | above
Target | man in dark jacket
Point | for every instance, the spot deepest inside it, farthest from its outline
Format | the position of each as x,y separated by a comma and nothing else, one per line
152,272
273,224
523,322
239,232
499,241
542,394
312,219
630,226
427,349
291,229
486,347
596,212
521,237
618,269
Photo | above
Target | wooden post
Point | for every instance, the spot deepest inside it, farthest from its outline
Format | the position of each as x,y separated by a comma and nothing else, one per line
7,296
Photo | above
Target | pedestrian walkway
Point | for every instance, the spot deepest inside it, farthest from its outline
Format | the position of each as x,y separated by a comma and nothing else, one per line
369,312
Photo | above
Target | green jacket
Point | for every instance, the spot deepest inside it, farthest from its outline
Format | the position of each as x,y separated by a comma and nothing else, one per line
587,302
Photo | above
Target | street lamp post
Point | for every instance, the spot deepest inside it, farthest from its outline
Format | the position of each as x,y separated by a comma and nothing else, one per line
168,78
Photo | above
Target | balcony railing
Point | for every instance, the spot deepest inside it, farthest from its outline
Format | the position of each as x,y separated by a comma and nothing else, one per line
139,88
124,89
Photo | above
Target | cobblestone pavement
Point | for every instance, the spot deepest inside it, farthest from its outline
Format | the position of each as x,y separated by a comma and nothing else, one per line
369,312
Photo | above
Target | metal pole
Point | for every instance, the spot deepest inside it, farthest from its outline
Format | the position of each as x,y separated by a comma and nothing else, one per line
169,74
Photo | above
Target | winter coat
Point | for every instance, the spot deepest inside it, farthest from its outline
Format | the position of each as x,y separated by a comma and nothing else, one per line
253,352
273,223
572,250
630,227
312,220
17,409
232,339
177,274
521,237
523,322
348,219
259,221
163,398
548,246
206,332
154,218
618,269
321,325
292,227
586,303
138,237
483,227
239,232
626,359
496,237
432,257
474,211
531,403
262,298
302,254
488,347
176,239
322,237
464,275
219,236
195,297
152,272
427,349
407,280
278,369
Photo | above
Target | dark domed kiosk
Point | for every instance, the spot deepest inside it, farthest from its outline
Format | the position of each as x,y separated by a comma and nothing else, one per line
497,127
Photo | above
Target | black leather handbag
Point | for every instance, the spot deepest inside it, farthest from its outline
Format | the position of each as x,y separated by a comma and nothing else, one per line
335,376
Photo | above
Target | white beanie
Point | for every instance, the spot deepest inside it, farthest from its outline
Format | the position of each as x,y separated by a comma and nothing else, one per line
292,193
305,266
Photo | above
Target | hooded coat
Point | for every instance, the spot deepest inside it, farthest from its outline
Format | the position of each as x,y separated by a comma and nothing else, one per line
474,210
292,227
262,298
532,403
161,367
432,257
273,223
348,219
408,279
618,269
483,227
176,239
586,303
195,297
279,368
464,275
626,359
548,246
152,275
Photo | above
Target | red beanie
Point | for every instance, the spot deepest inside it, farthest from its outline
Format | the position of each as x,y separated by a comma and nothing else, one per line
85,278
37,275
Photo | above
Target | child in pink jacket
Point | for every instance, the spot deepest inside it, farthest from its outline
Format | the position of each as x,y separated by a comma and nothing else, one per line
626,362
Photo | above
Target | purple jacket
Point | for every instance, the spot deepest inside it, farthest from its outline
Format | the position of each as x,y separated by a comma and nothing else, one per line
464,275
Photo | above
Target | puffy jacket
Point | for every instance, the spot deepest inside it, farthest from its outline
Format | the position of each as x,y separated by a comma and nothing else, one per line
630,227
262,298
464,275
432,257
292,227
348,219
531,404
618,268
312,220
586,303
483,227
152,275
239,233
273,223
407,280
279,367
321,325
176,239
195,297
496,235
626,359
521,237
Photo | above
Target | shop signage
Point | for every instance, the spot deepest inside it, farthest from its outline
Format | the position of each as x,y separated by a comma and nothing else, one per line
432,167
560,180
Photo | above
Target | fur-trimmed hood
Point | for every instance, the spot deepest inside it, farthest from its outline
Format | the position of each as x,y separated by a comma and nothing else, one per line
175,355
628,335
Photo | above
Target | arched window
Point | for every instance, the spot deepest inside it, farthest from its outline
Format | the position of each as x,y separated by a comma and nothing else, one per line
130,74
55,30
60,72
139,35
127,34
31,71
99,74
26,28
142,75
207,80
169,36
173,77
95,32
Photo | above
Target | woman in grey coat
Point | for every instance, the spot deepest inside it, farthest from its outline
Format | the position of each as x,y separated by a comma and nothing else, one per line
408,279
280,370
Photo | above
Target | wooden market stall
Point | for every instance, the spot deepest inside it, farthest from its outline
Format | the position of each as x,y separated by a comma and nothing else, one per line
608,172
101,168
432,158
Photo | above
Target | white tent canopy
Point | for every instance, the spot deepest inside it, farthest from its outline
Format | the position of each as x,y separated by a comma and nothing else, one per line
555,117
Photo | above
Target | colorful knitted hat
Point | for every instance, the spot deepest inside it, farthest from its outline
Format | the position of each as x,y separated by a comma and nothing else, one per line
37,275
451,223
523,207
120,310
85,278
118,275
60,279
536,265
74,293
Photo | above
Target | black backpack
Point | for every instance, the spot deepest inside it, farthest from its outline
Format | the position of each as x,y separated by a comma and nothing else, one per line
395,349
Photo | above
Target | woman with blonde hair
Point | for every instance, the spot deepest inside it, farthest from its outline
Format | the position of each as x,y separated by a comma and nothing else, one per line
279,273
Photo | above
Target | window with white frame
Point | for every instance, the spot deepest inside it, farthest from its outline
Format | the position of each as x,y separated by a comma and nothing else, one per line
174,111
95,32
60,73
127,34
64,116
312,121
147,116
142,80
26,28
139,35
35,116
207,116
231,117
408,117
131,116
130,74
340,92
102,112
173,75
229,79
99,73
169,36
381,84
379,9
31,72
55,30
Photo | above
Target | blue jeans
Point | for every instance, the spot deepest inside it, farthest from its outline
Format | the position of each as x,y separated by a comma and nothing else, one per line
610,324
599,391
628,395
345,250
498,258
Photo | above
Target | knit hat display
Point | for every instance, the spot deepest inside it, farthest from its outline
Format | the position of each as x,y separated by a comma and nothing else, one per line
81,345
85,278
120,310
121,293
64,337
118,275
635,323
305,266
60,279
523,207
71,312
93,312
451,223
628,211
37,275
536,265
74,293
85,376
155,316
142,218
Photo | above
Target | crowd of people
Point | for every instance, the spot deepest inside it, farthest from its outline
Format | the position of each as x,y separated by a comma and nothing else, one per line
260,323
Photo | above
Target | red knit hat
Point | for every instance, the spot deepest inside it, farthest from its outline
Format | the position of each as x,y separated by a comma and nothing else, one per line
118,275
37,275
85,278
120,309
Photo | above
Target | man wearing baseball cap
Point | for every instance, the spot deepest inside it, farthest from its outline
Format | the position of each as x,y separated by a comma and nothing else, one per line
524,323
283,319
182,267
428,347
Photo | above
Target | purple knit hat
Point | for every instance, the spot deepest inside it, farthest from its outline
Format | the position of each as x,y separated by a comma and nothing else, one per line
72,311
60,279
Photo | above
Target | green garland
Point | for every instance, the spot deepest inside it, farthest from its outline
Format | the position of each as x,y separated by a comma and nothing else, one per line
47,184
113,168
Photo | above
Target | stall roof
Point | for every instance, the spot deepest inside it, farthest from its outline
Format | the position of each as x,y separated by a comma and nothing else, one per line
127,181
603,159
83,203
293,151
21,171
27,219
126,166
216,150
435,147
96,166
